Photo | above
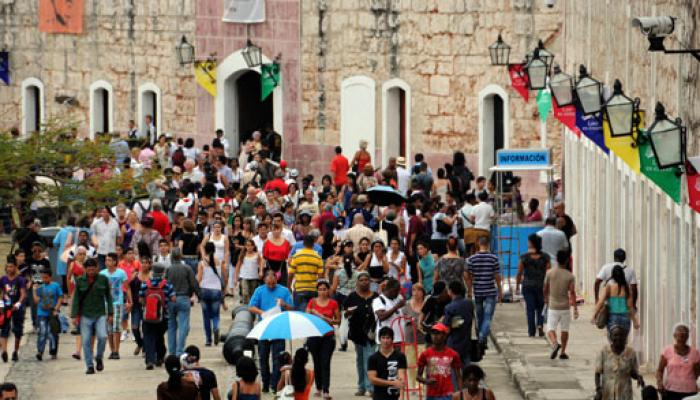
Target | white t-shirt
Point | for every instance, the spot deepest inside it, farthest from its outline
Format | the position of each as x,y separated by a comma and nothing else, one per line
483,213
606,273
106,234
259,243
464,212
384,303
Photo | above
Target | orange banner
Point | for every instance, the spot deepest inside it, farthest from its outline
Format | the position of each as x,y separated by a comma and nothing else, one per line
61,16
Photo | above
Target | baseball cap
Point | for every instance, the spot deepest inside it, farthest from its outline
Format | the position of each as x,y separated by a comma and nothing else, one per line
440,327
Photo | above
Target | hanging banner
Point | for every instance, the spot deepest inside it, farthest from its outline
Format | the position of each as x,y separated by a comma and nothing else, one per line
244,11
567,116
592,128
666,179
623,146
269,79
693,175
61,16
205,75
5,67
544,103
519,81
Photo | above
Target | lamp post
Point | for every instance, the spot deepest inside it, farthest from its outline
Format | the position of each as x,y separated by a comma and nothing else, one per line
667,140
536,70
185,52
562,87
499,52
252,55
546,55
621,112
588,93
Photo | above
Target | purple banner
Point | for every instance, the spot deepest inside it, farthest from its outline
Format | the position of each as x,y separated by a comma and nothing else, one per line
592,128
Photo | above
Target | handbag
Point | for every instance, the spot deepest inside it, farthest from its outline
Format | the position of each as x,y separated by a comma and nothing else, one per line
287,392
601,319
55,324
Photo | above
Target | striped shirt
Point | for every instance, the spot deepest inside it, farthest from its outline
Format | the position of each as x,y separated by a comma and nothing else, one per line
168,290
307,267
483,267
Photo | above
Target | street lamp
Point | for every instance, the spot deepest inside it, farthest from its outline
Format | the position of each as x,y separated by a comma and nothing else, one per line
545,55
562,87
500,52
667,139
620,111
252,55
588,92
185,52
536,70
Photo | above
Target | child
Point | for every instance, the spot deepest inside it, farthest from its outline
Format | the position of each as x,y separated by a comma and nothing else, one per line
117,279
131,266
249,270
15,288
48,296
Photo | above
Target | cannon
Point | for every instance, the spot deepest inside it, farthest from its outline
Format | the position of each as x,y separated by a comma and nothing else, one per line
235,341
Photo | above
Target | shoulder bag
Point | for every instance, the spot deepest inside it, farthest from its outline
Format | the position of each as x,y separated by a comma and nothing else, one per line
601,319
287,392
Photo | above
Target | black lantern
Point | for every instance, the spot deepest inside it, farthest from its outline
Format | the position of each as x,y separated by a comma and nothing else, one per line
545,55
536,71
620,112
562,87
500,52
252,55
667,139
185,52
588,92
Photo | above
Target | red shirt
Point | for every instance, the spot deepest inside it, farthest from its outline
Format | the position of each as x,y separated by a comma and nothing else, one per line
279,184
161,223
439,365
276,253
328,311
340,168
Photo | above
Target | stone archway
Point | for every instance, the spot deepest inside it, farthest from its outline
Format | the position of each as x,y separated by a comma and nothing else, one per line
494,126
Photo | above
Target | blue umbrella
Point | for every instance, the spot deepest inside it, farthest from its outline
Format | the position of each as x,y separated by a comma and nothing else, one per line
289,325
383,195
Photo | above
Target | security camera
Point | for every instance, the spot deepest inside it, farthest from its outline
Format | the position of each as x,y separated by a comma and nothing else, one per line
654,27
550,3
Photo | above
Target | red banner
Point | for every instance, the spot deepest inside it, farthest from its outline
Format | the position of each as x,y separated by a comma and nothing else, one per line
61,16
567,116
519,81
693,186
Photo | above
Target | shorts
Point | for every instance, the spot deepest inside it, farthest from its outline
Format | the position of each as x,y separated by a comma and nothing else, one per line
116,325
15,324
560,318
470,236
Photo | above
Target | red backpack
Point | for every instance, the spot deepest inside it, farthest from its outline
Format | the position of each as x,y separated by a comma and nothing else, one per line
154,305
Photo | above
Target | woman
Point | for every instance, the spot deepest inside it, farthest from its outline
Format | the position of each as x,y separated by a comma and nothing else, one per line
247,388
518,199
162,149
236,173
442,185
616,366
361,157
275,252
179,386
451,267
443,226
75,270
618,299
414,331
149,236
376,264
220,241
129,228
344,283
362,251
367,178
304,226
236,243
397,261
293,195
298,376
249,270
321,348
681,365
426,267
288,214
348,190
189,244
211,277
534,214
471,378
190,151
143,275
532,268
327,185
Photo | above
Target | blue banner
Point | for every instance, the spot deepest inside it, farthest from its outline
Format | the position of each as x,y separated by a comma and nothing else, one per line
592,128
523,158
5,67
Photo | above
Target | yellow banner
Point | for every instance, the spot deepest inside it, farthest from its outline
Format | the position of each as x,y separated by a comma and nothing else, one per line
205,75
624,147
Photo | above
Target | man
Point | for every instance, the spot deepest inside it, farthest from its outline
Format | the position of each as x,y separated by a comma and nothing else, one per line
150,133
339,167
278,220
386,368
553,240
315,234
120,148
15,288
568,226
266,168
469,232
389,173
358,311
161,222
32,273
117,278
481,216
423,179
184,283
434,306
83,240
92,309
261,237
158,292
559,296
248,204
163,255
403,176
440,361
266,298
105,232
485,282
387,309
8,391
224,142
133,132
204,378
48,295
459,314
305,269
619,257
358,230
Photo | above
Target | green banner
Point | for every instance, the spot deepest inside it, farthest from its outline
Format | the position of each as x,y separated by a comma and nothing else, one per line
269,79
666,179
544,103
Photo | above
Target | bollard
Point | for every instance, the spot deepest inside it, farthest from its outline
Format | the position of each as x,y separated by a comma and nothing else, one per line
235,341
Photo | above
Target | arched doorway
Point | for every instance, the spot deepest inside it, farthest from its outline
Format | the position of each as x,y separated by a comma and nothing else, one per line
493,126
100,108
32,105
149,103
396,120
253,114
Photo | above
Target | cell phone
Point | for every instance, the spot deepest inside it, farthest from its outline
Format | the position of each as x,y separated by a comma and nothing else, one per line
353,308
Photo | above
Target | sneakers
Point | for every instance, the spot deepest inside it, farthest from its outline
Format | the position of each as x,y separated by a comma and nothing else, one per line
564,356
344,347
76,356
540,331
39,356
159,363
149,367
54,356
125,335
555,351
98,364
137,350
15,356
216,337
4,356
113,356
360,393
90,371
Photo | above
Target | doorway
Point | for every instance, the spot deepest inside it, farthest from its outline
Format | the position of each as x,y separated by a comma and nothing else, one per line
493,126
100,111
395,145
253,114
149,106
32,115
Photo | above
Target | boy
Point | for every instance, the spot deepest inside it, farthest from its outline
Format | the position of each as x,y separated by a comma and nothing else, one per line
117,278
163,255
131,266
15,288
386,368
154,331
441,361
47,296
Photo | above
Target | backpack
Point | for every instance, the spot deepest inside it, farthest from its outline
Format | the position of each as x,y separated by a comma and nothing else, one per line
154,307
178,157
442,227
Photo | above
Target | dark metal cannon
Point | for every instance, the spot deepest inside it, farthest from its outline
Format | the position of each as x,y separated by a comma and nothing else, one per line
235,341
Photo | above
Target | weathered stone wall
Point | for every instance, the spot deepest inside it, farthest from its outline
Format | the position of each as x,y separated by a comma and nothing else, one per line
126,43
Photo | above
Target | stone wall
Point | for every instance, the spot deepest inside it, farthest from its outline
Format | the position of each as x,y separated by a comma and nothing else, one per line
125,43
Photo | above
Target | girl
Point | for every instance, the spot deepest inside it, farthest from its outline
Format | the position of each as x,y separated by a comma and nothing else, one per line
471,377
532,269
376,264
618,299
249,270
211,277
179,386
143,275
247,388
321,348
298,376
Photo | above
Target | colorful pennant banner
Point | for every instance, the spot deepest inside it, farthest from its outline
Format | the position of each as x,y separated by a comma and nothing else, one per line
269,79
519,81
544,103
5,67
666,179
624,147
567,116
693,186
205,75
592,128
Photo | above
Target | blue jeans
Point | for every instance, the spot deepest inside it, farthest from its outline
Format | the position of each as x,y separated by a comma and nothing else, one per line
136,318
485,307
178,324
534,303
301,299
267,348
362,353
45,335
211,301
87,325
192,262
618,319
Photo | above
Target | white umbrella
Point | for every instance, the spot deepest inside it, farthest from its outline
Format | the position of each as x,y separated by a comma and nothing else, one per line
289,325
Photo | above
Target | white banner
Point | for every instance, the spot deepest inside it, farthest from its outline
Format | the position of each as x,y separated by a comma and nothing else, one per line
244,11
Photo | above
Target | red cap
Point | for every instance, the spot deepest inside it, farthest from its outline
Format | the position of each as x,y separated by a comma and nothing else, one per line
283,164
440,327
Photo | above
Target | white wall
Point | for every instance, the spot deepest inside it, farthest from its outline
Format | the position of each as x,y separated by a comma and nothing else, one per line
357,114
